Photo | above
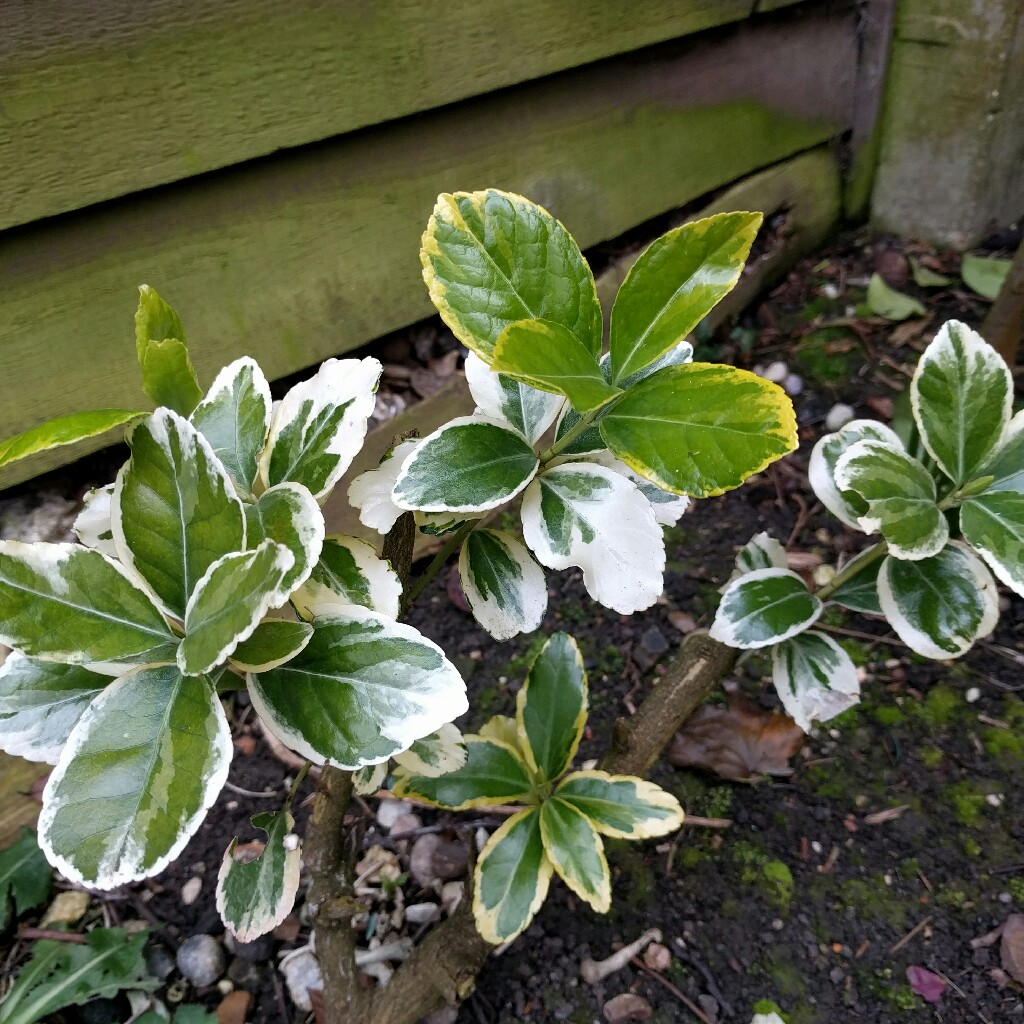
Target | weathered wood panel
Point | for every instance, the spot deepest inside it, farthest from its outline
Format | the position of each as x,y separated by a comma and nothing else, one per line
316,251
105,98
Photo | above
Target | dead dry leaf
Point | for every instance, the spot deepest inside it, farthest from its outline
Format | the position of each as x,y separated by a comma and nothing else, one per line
234,1007
626,1007
1011,949
889,814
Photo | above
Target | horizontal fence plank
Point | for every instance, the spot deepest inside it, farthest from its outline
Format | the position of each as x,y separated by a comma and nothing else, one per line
106,98
316,251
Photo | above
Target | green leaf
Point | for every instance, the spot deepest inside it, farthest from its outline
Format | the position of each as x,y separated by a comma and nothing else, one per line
64,430
551,707
363,689
760,552
235,418
62,974
504,586
585,443
826,454
815,678
319,426
228,603
939,606
984,275
764,607
961,394
370,492
576,852
511,879
154,321
900,498
622,806
92,525
439,753
589,516
681,353
499,397
289,515
367,780
925,277
349,572
441,524
254,897
40,702
139,772
1006,464
700,428
174,511
273,642
493,773
491,258
860,592
25,877
674,284
546,356
168,376
63,602
993,524
468,465
888,303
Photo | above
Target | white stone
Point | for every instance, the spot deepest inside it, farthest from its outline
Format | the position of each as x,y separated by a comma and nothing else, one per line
838,416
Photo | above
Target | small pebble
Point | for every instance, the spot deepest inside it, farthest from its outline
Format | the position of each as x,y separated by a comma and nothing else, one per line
190,891
201,960
67,908
995,799
302,973
838,416
422,913
831,291
626,1007
776,372
390,810
793,385
159,963
973,695
260,949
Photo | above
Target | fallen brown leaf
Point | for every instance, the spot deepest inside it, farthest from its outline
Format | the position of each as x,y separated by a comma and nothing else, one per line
1011,949
737,742
881,406
889,814
626,1007
909,329
234,1007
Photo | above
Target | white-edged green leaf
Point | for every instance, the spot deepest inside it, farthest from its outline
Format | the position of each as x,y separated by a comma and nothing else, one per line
349,572
1006,464
319,426
370,492
228,603
887,302
512,878
668,508
139,772
79,426
984,274
993,524
505,588
622,806
272,643
235,418
490,258
585,515
827,452
255,896
551,707
63,602
174,511
576,852
760,552
288,514
584,443
860,592
941,605
925,277
439,753
363,688
899,498
493,773
499,397
92,525
547,356
815,678
961,395
700,428
764,607
40,703
678,279
469,465
440,524
367,780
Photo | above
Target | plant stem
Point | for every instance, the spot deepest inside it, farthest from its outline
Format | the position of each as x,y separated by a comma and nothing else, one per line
559,446
438,563
303,772
852,570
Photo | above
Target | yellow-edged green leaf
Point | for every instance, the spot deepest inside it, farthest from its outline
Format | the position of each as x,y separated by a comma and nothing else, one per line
504,730
764,607
622,806
700,428
64,430
576,852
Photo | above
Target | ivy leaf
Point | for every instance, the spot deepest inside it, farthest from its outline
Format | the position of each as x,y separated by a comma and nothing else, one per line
764,607
235,418
289,515
500,397
439,753
174,511
40,702
585,515
140,770
860,592
984,275
511,879
25,877
939,606
468,465
319,426
92,525
491,258
370,492
504,586
622,806
551,707
993,524
254,897
700,428
79,426
961,394
674,284
168,376
886,302
349,572
63,602
576,852
362,689
814,677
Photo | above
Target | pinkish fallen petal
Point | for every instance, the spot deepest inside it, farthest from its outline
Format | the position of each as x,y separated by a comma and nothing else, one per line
928,985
